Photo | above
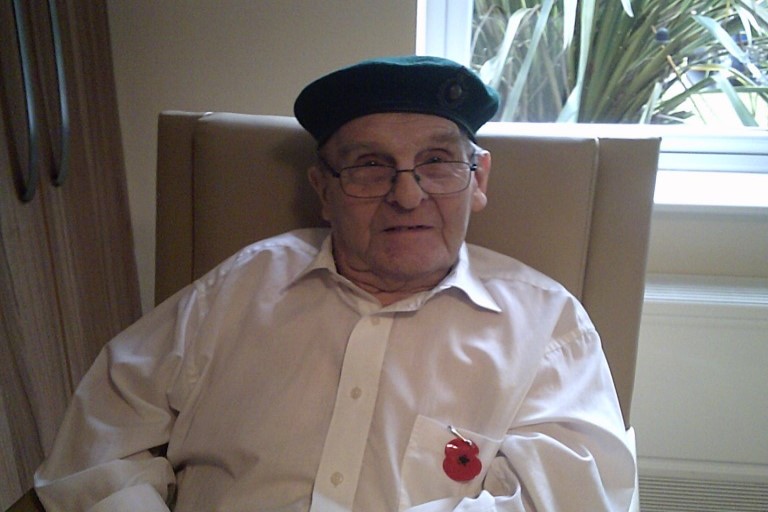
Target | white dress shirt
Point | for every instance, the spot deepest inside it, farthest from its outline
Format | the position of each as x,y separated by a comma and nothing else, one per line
278,385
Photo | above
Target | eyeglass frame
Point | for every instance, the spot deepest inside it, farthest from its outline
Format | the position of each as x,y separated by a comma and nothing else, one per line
337,174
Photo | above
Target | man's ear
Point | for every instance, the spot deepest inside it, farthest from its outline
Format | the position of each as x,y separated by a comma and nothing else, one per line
319,181
480,182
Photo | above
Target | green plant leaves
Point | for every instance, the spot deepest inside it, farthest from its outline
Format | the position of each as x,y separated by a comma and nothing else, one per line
622,60
491,71
515,93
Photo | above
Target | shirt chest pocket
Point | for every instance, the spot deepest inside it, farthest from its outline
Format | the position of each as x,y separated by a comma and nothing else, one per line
424,477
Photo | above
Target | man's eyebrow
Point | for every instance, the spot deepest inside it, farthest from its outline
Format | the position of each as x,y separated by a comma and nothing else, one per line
348,148
448,136
451,139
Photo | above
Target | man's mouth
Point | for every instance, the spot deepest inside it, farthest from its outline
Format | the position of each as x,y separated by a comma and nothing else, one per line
405,229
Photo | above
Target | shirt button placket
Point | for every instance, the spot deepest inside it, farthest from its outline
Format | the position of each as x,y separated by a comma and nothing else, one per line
345,441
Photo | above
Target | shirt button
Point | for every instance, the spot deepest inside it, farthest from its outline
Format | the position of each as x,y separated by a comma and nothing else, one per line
336,479
375,320
356,393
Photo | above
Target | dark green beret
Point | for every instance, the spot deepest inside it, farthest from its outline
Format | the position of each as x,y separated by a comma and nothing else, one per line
424,85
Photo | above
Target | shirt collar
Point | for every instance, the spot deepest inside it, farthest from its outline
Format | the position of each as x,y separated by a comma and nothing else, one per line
461,277
323,260
464,278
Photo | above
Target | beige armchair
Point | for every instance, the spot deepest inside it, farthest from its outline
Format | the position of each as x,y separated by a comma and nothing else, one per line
573,201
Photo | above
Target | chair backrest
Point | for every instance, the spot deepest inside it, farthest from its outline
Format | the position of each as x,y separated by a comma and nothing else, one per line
571,201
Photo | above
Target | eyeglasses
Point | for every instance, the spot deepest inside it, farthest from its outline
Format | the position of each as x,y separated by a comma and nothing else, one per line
376,180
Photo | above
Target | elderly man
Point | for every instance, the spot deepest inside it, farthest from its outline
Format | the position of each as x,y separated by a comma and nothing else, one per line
380,365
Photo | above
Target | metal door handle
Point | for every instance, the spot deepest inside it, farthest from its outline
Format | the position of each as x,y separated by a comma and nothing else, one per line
60,164
27,180
26,183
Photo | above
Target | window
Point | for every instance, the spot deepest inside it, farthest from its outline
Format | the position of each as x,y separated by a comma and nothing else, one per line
700,167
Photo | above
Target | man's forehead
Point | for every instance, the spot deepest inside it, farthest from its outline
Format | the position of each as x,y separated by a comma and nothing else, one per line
379,130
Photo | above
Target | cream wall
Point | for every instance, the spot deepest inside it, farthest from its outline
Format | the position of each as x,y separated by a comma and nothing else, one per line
249,56
718,242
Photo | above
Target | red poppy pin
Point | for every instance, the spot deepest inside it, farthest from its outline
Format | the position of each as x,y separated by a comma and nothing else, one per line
461,462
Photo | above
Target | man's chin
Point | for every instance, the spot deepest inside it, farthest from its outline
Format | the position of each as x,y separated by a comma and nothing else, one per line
415,269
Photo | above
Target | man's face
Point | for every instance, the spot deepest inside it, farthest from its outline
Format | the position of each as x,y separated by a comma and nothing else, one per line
407,240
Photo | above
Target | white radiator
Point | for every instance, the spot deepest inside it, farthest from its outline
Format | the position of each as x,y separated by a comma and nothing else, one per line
677,494
700,407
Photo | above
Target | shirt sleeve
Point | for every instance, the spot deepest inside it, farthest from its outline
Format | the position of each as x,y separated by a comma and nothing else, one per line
567,449
105,456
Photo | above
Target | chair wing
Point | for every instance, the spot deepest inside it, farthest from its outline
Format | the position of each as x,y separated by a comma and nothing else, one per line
573,202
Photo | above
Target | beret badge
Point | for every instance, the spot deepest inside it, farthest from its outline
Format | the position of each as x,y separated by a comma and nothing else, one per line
452,92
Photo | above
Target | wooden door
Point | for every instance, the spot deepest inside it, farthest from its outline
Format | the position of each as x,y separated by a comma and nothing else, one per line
67,271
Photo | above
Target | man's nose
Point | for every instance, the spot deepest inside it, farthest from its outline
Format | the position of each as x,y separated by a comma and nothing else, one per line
406,191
